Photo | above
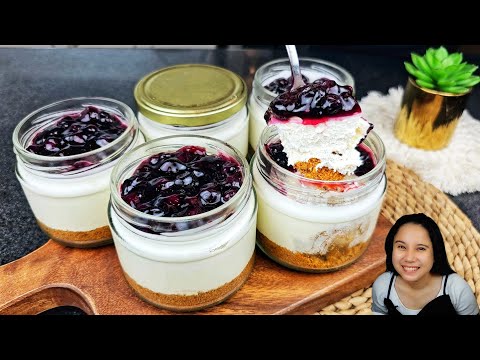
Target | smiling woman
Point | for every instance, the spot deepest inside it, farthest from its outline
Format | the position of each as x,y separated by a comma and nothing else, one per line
419,279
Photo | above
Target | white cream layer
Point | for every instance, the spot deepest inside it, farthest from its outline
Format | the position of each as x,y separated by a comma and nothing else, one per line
234,130
309,228
187,267
333,141
69,204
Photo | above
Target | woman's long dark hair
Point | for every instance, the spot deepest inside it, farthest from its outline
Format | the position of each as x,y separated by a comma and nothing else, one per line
440,260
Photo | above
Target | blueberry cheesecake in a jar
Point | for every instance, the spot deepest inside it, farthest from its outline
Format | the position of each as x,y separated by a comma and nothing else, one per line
183,219
319,175
65,154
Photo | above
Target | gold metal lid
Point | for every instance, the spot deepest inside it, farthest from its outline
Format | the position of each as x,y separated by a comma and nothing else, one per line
190,94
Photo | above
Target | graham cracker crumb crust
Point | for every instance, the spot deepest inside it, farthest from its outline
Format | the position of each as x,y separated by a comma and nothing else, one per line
96,237
336,256
184,303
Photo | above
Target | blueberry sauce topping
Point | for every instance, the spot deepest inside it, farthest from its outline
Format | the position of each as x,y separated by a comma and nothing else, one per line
281,85
323,97
78,133
182,183
367,161
275,150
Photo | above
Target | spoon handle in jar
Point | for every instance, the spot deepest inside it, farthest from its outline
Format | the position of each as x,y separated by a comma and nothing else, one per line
294,66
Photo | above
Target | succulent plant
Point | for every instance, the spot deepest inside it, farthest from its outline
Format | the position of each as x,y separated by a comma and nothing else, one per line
439,70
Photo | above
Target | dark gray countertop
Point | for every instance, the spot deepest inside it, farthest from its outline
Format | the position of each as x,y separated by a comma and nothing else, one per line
32,78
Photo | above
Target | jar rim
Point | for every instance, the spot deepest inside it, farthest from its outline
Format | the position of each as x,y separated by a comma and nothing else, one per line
257,83
20,149
131,160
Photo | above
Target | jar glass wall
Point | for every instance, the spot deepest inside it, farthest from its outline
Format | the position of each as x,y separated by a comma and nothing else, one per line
313,225
260,97
184,263
69,194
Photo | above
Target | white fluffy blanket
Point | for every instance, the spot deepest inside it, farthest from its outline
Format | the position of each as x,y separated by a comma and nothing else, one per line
454,169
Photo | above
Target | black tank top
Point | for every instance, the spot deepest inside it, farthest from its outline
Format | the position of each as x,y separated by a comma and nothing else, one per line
441,305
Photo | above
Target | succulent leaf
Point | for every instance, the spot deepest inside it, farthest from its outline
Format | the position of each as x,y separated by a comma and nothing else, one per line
456,58
439,70
432,60
455,89
425,84
417,73
441,53
469,67
462,75
472,81
454,69
439,73
448,61
446,82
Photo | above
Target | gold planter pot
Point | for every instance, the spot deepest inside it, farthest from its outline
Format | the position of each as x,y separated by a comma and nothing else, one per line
428,118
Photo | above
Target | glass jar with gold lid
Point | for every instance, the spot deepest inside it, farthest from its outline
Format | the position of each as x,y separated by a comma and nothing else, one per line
194,99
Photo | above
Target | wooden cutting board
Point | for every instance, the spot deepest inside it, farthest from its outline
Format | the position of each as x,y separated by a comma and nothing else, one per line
92,280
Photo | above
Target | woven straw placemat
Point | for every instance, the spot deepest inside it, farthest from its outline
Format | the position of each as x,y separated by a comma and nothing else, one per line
407,193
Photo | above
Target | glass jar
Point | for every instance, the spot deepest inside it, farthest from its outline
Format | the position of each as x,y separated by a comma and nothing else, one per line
194,99
260,98
184,263
303,225
69,195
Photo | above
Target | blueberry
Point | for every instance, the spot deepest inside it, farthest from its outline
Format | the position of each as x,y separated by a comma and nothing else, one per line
281,85
366,160
323,97
275,150
77,133
182,183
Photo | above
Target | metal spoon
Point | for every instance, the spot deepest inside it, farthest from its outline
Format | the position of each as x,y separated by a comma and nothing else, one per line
294,66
